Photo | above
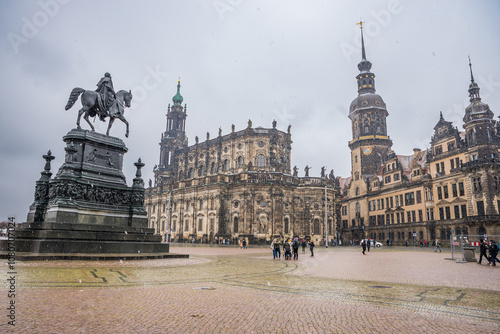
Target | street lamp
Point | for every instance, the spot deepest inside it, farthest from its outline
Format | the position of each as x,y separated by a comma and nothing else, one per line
326,220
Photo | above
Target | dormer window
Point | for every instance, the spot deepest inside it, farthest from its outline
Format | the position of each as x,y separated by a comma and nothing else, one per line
438,150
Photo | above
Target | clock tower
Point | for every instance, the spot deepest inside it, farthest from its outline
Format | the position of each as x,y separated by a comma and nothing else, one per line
370,143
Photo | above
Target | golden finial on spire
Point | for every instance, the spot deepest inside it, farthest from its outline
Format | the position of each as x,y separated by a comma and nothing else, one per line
360,23
179,80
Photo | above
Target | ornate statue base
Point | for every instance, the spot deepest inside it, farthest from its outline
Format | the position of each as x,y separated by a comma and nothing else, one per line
87,211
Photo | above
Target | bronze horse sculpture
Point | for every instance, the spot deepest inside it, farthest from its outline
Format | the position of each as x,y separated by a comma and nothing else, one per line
90,107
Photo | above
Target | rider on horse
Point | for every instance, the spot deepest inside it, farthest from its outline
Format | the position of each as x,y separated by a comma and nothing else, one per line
107,94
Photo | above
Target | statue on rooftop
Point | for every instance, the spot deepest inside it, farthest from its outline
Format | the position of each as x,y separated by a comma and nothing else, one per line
306,169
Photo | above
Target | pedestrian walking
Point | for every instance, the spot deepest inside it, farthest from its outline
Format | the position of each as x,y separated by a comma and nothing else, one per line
287,249
295,247
274,249
304,244
493,250
311,247
483,247
368,245
244,243
438,246
278,249
363,245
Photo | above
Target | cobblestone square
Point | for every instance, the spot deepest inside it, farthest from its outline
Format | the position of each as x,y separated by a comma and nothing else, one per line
232,290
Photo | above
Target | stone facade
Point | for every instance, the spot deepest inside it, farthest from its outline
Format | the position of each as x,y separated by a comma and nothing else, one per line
236,186
451,188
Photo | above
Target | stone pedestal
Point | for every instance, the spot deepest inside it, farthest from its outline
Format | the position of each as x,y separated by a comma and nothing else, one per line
87,209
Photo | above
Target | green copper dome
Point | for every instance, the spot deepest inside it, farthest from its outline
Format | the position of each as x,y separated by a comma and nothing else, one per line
177,99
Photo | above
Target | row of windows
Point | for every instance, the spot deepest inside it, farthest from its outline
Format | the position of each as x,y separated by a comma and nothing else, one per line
439,149
410,198
459,211
454,163
457,189
226,166
187,205
395,177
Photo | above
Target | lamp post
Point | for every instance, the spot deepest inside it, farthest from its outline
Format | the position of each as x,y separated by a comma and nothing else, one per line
326,221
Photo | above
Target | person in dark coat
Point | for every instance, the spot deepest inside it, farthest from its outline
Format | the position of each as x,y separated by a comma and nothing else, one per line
311,247
363,245
304,244
493,250
295,247
368,244
482,251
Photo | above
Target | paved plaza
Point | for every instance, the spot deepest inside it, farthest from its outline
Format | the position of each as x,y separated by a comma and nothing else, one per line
232,290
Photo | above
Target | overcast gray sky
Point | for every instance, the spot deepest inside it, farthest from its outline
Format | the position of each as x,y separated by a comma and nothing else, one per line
293,61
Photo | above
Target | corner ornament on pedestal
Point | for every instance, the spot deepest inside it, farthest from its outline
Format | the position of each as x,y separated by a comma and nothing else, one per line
103,102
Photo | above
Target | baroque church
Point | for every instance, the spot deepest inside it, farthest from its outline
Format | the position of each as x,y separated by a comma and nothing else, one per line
240,185
236,186
452,188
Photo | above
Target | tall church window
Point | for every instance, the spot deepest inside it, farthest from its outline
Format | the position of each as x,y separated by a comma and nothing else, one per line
316,226
212,168
286,225
235,225
200,224
201,170
261,160
191,173
357,191
240,162
225,166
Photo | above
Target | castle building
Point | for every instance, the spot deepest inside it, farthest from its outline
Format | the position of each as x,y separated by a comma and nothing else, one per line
453,187
236,186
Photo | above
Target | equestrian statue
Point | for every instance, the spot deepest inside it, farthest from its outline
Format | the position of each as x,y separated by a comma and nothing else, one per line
103,102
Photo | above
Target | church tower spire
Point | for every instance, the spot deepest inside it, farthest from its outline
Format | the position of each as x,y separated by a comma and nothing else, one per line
368,113
366,79
174,138
479,124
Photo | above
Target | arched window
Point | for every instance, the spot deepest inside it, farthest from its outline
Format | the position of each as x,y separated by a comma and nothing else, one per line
212,168
201,170
357,192
286,225
190,173
235,225
358,208
201,204
212,204
240,161
316,226
261,160
225,166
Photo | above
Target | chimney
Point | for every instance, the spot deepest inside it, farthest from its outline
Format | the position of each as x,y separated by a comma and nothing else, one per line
416,151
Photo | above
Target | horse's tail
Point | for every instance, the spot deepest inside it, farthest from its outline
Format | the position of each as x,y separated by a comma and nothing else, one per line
73,97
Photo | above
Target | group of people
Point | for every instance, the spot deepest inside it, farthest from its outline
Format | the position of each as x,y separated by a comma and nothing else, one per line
490,252
290,247
365,244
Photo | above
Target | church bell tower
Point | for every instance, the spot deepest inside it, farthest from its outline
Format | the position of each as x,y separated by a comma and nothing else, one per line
173,139
370,143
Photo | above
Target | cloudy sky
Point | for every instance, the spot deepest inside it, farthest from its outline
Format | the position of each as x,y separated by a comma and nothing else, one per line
293,61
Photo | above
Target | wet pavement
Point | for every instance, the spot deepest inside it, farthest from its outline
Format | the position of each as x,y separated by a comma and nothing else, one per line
232,290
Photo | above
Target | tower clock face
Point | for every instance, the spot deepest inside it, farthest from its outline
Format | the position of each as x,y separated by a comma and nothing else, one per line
367,150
